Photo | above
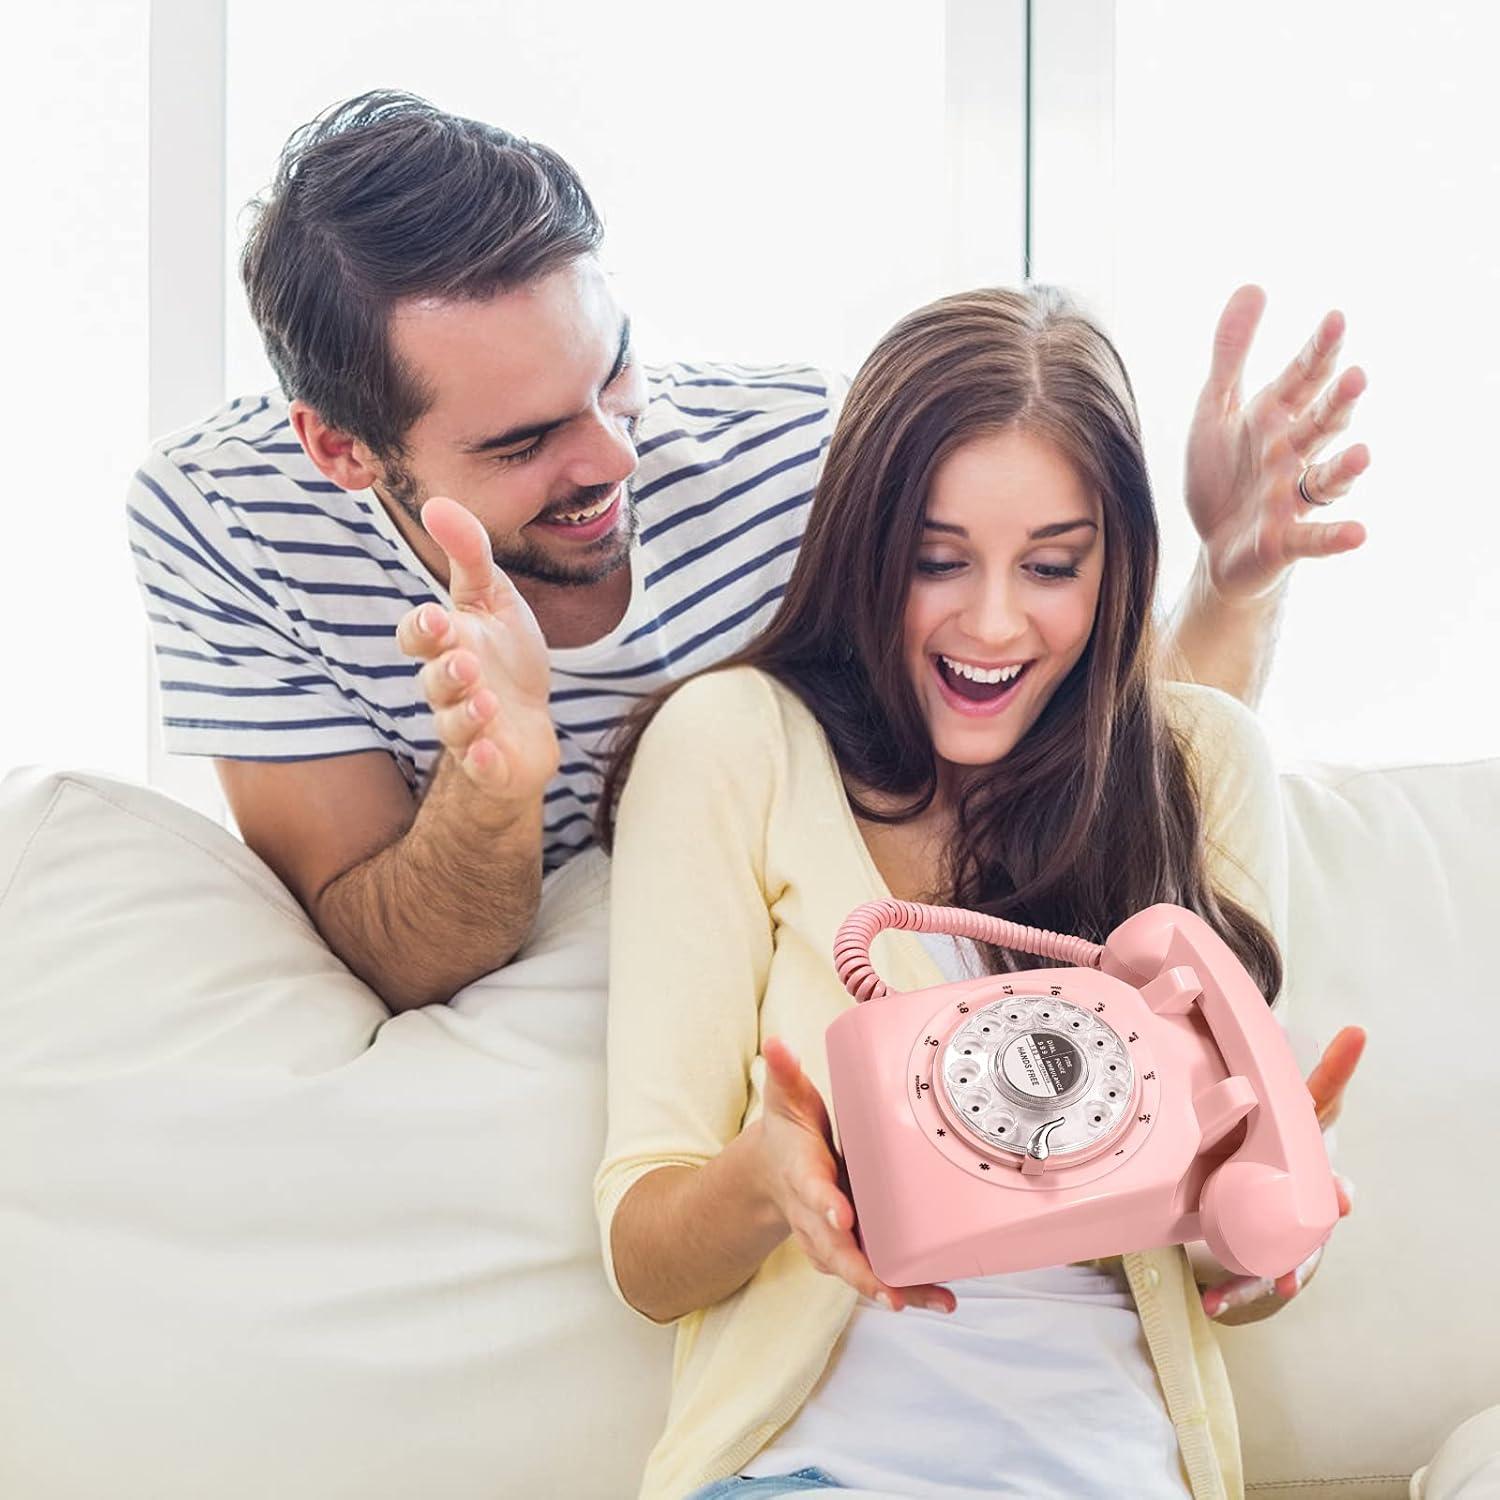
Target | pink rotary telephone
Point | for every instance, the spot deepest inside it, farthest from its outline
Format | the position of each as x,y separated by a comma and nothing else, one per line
1145,1097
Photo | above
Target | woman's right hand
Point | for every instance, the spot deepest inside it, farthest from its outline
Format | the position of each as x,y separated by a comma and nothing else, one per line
801,1177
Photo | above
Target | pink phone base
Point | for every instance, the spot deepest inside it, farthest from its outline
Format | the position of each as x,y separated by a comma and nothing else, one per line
1144,1097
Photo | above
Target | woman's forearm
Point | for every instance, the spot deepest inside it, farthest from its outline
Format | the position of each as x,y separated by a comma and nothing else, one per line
687,1237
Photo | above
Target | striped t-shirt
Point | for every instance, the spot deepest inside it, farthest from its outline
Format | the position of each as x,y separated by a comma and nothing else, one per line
274,595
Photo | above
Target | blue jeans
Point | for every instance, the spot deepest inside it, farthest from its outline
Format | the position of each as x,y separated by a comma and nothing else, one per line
738,1487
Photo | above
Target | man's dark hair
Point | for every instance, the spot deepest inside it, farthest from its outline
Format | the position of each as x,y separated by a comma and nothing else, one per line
385,197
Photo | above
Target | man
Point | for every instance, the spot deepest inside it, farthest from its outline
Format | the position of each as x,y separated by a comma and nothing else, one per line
429,297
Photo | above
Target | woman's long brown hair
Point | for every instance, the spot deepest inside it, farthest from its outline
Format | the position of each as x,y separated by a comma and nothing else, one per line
1094,814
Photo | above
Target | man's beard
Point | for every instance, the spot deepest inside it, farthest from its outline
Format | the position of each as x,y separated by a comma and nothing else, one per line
595,563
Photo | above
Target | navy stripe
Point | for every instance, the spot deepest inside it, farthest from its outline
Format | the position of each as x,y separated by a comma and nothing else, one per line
776,379
177,546
345,722
379,672
262,446
358,590
285,760
265,401
568,695
566,848
432,746
760,439
596,725
223,648
314,549
246,471
301,508
339,627
668,658
760,385
729,414
661,439
328,627
288,690
217,661
288,686
221,564
228,654
567,791
226,616
722,539
221,435
791,544
693,512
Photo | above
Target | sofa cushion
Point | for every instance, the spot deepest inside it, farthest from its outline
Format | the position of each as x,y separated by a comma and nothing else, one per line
260,1236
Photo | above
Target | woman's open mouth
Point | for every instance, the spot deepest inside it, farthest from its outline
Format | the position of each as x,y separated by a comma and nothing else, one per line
975,690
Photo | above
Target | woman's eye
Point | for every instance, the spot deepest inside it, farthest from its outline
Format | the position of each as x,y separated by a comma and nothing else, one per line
1050,572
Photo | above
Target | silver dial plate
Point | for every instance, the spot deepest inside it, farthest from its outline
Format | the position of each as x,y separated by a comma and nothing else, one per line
1024,1062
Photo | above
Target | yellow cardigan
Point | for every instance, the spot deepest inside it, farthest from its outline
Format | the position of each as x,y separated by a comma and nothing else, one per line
736,859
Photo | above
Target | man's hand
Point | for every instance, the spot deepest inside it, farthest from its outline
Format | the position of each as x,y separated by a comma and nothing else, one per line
1243,461
486,676
1247,1299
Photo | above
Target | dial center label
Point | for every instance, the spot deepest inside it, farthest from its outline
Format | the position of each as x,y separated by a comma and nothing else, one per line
1042,1064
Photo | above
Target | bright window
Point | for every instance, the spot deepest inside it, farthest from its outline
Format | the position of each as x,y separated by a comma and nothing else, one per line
73,384
1341,155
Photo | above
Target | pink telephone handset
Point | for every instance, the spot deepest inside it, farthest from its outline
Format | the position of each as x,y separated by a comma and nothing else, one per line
1145,1096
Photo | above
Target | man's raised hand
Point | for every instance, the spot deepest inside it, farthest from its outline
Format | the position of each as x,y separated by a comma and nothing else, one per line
1244,458
486,675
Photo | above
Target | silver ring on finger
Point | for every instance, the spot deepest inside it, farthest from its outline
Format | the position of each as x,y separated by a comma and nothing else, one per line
1303,490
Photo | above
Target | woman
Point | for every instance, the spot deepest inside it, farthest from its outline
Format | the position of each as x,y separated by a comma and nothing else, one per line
956,704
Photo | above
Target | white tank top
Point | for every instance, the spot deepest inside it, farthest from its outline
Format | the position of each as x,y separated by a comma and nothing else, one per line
1039,1385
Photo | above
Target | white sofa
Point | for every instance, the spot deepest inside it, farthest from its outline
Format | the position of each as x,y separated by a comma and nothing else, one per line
258,1238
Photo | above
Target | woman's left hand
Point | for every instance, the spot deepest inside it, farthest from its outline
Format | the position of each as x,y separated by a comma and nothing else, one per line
1244,458
1247,1299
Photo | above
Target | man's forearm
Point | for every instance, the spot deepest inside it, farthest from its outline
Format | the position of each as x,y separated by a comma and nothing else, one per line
453,898
1220,643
